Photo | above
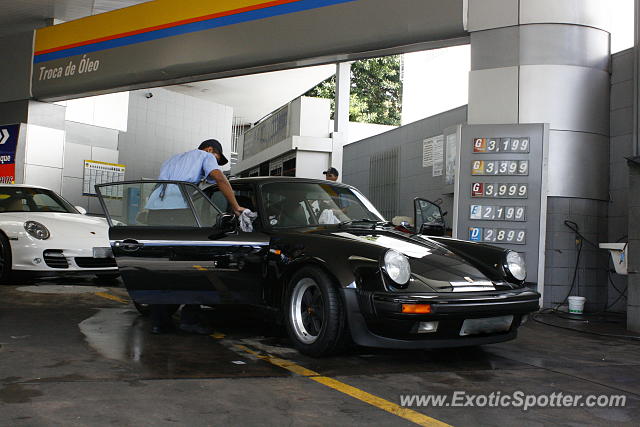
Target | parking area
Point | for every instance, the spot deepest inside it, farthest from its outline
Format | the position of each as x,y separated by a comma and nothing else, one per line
78,353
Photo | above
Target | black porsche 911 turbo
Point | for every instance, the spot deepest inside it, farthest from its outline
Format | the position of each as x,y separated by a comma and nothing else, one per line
321,255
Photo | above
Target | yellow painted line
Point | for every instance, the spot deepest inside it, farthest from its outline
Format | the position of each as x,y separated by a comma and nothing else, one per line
289,366
395,409
356,393
134,18
199,268
217,335
111,297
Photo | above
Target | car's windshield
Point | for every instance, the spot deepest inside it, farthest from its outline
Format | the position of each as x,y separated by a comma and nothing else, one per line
24,199
298,204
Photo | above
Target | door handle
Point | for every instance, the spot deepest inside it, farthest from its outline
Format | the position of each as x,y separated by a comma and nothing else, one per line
129,245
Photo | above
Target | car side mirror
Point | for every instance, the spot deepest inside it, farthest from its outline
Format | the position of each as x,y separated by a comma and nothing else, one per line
226,223
432,229
80,209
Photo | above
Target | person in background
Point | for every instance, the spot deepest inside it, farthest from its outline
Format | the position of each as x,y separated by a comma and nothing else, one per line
191,166
331,174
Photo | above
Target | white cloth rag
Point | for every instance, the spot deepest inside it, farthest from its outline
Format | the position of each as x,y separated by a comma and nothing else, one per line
328,217
246,220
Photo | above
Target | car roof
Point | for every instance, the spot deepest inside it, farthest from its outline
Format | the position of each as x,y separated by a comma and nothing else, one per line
23,186
280,179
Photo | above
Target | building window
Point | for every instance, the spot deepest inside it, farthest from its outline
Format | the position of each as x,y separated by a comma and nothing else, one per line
289,167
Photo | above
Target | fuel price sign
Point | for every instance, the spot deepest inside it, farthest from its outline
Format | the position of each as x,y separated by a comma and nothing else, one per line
500,190
500,167
501,145
498,235
499,193
498,213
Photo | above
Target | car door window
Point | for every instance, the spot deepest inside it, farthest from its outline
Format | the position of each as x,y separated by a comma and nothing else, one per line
157,204
427,212
206,211
245,196
220,201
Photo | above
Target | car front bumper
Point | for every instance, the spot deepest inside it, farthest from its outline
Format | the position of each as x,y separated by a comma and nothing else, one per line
376,319
27,256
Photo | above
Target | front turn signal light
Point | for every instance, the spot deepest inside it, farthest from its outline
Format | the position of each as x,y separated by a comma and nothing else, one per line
416,308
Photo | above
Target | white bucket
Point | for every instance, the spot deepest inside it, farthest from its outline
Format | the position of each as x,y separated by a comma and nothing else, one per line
576,304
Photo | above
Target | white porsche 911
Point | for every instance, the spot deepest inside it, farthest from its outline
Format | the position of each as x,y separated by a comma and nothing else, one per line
41,233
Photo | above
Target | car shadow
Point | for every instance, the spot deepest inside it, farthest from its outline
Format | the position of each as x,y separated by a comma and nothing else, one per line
269,336
80,279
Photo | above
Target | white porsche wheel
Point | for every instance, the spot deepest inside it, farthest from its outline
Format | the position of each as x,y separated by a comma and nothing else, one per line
5,259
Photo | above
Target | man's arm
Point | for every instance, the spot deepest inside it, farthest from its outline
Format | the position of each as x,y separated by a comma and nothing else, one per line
225,188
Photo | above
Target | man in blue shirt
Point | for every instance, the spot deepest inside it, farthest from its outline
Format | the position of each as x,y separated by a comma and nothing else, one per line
166,205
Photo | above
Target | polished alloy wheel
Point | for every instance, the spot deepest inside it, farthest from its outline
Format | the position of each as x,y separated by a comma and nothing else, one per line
307,310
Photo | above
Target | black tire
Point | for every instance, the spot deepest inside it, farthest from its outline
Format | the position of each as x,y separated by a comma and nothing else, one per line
145,309
314,314
5,260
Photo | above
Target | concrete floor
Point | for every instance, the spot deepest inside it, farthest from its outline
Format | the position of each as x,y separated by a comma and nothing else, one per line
71,358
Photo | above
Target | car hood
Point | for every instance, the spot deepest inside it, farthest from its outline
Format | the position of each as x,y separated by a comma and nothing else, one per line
434,267
61,225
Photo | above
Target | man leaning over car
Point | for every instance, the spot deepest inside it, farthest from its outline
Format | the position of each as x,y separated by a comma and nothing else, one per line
191,166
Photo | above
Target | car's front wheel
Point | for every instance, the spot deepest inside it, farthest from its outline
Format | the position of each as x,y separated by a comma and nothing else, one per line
5,260
316,320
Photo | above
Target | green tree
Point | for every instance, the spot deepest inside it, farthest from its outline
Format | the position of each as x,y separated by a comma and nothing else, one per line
376,91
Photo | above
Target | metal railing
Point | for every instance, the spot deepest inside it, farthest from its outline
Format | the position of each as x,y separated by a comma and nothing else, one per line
384,174
267,133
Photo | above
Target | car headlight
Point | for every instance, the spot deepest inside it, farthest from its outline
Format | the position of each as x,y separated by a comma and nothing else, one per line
516,266
37,230
397,267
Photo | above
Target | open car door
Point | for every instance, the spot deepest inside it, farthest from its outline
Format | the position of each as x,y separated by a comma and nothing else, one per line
429,219
173,246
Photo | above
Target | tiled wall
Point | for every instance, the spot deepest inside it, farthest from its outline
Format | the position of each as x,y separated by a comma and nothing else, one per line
562,246
168,123
85,142
157,128
621,147
53,152
633,313
599,221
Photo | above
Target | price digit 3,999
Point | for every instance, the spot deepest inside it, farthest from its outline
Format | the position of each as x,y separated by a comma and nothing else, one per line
499,190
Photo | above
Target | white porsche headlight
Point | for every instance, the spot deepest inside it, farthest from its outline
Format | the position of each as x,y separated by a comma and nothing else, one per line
397,266
37,230
516,266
